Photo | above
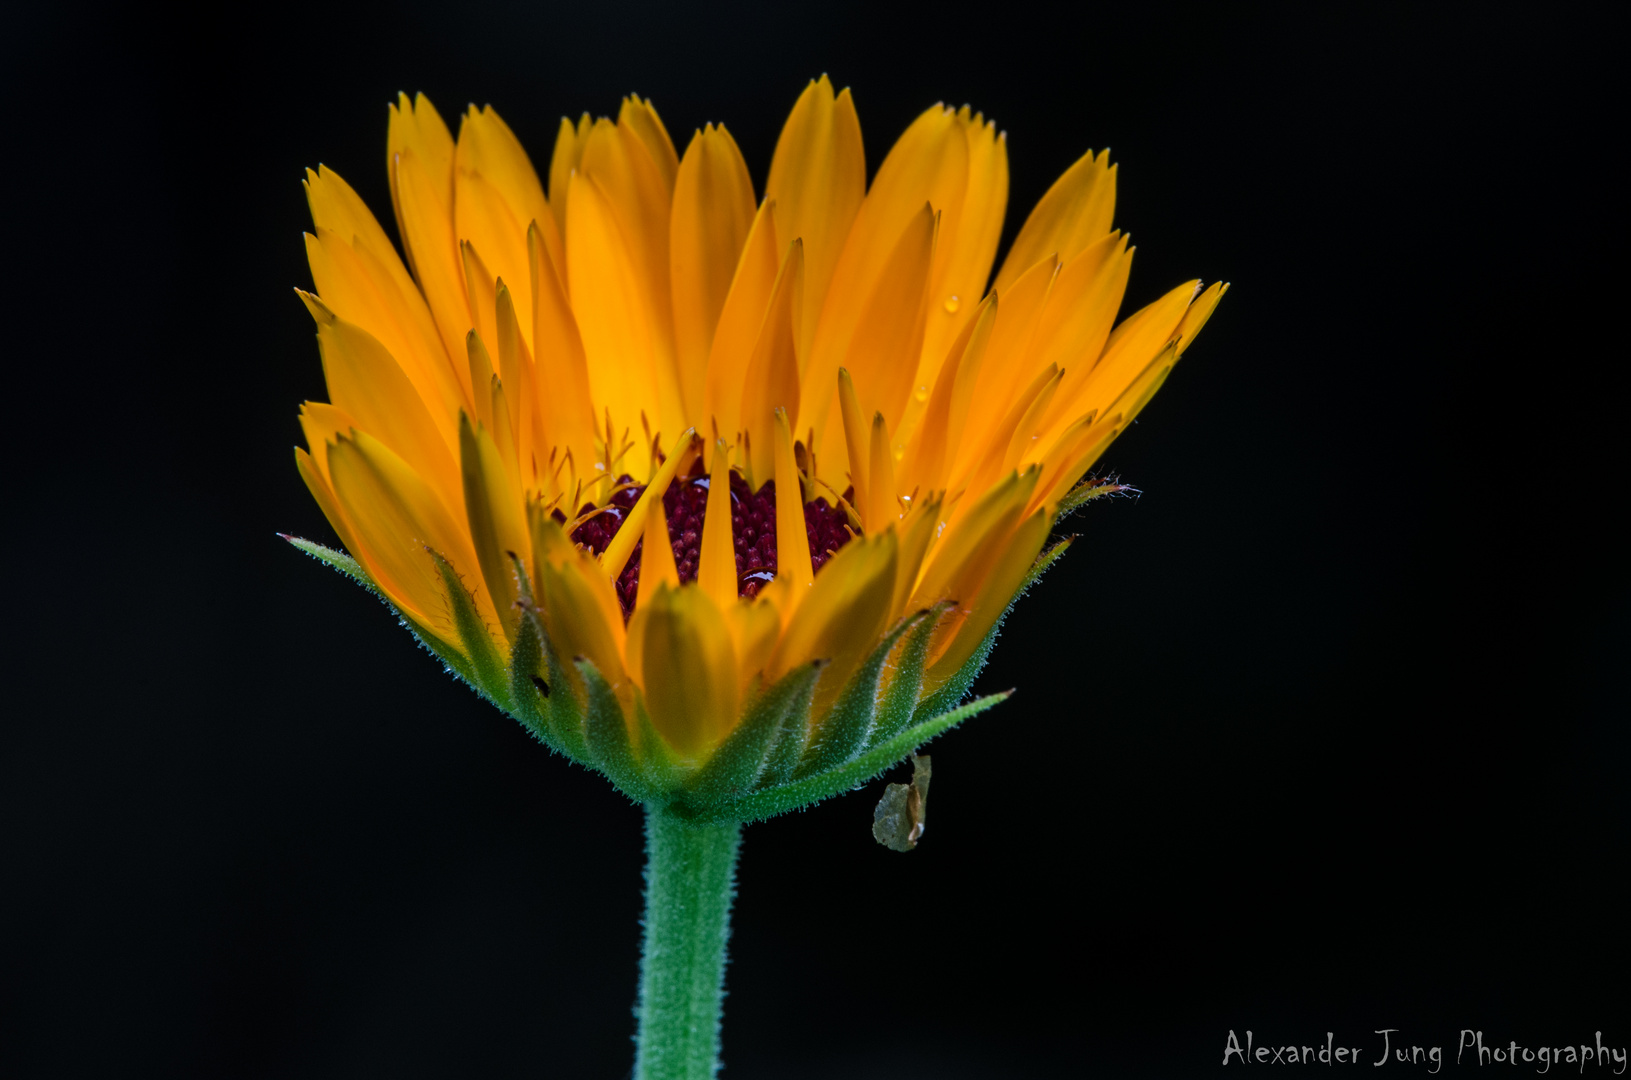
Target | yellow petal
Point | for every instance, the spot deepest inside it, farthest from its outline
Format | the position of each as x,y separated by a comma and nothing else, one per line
772,381
712,214
739,324
361,279
569,142
496,197
397,517
1075,212
424,202
1081,307
817,181
641,118
687,669
515,371
364,380
846,607
1198,312
567,410
916,531
318,485
857,438
1128,352
322,423
941,425
716,570
792,542
1001,437
481,374
1006,368
617,159
481,294
1071,455
617,553
579,605
882,509
928,164
882,352
755,625
842,615
494,509
619,330
967,243
657,556
964,550
1024,445
417,128
962,629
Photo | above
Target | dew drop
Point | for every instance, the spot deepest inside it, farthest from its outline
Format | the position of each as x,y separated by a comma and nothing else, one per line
921,394
952,304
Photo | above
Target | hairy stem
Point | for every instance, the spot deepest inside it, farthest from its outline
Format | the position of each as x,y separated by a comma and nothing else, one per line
690,882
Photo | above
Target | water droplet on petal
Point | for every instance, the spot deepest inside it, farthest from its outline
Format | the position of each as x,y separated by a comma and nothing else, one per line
921,394
952,304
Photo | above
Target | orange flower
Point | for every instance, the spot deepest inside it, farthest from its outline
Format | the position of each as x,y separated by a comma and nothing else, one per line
721,496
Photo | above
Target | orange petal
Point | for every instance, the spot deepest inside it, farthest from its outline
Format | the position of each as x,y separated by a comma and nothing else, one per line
842,615
397,516
569,142
882,349
940,427
773,372
687,664
712,214
962,630
1075,212
857,437
964,549
365,380
657,556
568,411
616,555
620,332
817,182
716,572
496,514
579,605
882,509
967,243
422,187
792,542
740,321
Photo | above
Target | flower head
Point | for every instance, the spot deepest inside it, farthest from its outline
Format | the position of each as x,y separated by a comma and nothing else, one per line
722,496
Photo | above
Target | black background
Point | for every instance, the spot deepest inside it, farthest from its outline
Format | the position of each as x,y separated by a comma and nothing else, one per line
1326,731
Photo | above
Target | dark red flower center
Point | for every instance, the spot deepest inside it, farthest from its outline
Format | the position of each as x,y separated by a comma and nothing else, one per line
685,503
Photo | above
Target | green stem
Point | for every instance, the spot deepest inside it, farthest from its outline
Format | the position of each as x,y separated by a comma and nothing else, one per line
690,882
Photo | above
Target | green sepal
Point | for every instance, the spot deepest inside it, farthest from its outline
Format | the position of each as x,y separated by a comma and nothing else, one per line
566,714
845,730
900,700
529,705
738,765
800,793
452,659
790,745
953,689
1087,491
491,678
338,560
607,732
661,769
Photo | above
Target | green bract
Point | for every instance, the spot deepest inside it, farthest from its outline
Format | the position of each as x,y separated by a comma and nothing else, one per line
779,757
